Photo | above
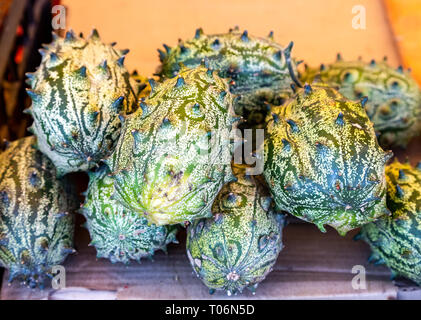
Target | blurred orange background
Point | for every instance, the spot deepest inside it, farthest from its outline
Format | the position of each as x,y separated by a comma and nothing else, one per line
405,20
319,28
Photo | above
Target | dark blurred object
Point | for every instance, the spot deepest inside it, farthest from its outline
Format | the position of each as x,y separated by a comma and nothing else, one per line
24,26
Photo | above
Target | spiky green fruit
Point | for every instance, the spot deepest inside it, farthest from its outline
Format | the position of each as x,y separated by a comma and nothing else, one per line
36,226
396,240
239,245
174,156
394,97
143,86
78,92
117,233
260,69
322,160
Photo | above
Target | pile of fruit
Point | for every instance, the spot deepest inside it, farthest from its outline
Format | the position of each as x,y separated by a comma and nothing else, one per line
161,155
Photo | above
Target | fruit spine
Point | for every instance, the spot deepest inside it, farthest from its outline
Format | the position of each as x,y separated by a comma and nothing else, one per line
36,226
396,240
322,160
239,245
394,97
174,153
260,69
117,233
77,94
143,87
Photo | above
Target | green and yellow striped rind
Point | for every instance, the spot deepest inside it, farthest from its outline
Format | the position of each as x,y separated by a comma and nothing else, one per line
258,67
36,223
322,160
394,97
396,240
174,154
117,233
239,245
78,92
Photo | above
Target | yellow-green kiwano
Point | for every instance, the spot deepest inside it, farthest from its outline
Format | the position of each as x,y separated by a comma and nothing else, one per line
118,233
322,160
174,153
78,92
143,87
239,245
260,69
36,222
394,97
396,240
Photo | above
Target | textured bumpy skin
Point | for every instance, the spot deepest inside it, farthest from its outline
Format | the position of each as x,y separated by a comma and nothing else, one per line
117,233
322,160
238,246
160,164
36,226
77,94
396,240
143,87
394,97
260,68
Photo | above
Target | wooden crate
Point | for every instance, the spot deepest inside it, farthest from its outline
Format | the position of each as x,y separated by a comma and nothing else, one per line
24,27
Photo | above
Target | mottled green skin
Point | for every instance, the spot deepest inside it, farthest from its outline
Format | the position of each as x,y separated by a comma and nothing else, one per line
394,97
76,110
258,67
396,240
322,160
160,164
117,233
36,226
239,245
